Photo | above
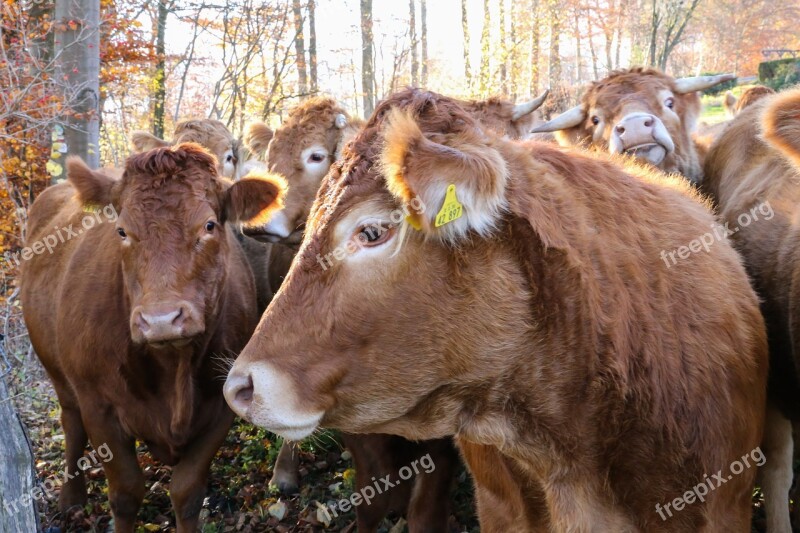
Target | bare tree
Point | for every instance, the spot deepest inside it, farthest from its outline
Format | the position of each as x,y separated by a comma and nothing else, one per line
503,49
412,26
485,49
300,48
312,45
77,49
554,13
465,33
535,37
423,14
160,77
673,16
367,62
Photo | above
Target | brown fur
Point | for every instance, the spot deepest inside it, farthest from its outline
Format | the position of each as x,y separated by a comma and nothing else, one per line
637,89
496,113
757,161
554,342
79,305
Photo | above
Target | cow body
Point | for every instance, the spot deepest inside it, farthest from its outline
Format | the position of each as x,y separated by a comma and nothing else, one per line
538,325
753,164
95,313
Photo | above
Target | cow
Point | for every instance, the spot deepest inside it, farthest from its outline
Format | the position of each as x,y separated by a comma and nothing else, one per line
131,316
232,160
590,385
751,95
754,164
641,112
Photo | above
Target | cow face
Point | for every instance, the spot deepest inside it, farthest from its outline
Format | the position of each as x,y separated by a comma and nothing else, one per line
515,121
172,234
639,112
367,306
302,150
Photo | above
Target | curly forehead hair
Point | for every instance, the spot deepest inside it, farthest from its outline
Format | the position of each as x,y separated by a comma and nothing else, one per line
637,76
163,163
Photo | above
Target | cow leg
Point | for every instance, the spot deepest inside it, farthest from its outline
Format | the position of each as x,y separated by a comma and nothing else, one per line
125,479
285,475
190,475
73,492
776,473
374,458
429,509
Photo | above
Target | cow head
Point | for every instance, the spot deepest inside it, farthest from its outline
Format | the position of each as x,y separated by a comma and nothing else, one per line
302,150
515,121
367,305
733,105
641,112
174,211
208,133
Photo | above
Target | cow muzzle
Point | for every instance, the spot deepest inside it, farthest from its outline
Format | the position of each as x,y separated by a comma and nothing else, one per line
643,136
266,397
166,323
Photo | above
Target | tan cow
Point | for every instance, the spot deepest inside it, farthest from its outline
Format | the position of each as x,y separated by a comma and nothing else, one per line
640,112
734,106
752,171
129,314
590,386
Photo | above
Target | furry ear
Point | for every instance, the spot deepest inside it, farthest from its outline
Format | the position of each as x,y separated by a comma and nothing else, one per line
459,183
142,141
254,198
257,138
730,103
92,187
781,124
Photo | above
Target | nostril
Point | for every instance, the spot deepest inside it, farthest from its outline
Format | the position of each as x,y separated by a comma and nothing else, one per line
179,317
245,394
620,129
648,123
141,322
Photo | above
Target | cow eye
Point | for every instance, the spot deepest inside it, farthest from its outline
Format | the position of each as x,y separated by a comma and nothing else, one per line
229,159
373,234
121,233
210,225
670,102
595,120
317,157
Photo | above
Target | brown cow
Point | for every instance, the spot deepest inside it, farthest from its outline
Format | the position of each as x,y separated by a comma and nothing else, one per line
128,316
640,112
530,316
754,164
232,160
734,106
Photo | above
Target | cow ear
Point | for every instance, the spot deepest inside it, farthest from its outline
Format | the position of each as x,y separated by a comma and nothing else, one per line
730,103
93,188
142,141
257,138
254,198
459,183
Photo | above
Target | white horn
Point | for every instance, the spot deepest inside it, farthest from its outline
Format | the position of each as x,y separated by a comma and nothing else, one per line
341,121
520,110
567,119
699,83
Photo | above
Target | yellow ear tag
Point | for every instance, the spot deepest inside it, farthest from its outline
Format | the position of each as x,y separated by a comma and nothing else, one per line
451,210
90,207
413,223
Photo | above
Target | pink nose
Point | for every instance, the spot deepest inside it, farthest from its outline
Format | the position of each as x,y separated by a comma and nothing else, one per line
238,393
635,129
164,323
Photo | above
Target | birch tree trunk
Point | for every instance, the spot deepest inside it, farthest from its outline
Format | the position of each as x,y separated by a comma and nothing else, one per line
423,14
367,62
300,48
160,78
77,52
413,30
485,49
465,33
535,51
312,45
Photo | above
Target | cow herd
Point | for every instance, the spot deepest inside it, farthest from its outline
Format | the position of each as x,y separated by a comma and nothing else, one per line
443,279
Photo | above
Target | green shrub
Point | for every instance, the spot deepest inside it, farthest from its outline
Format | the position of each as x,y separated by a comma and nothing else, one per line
779,74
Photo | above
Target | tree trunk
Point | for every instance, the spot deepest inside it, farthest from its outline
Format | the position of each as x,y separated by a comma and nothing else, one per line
78,70
535,51
17,481
465,33
654,23
578,62
367,65
413,29
423,13
300,48
485,49
160,78
555,34
503,49
39,14
514,51
312,45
